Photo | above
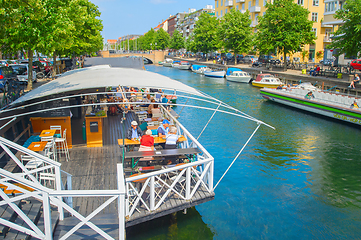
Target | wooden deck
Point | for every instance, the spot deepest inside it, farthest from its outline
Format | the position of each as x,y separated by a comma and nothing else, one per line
95,169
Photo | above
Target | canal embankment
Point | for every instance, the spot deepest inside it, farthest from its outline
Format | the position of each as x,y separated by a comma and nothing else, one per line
288,77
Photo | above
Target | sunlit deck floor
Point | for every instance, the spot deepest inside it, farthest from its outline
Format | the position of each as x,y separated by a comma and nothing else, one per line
95,169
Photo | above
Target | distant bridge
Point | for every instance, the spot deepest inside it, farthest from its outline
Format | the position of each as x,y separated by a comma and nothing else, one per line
154,56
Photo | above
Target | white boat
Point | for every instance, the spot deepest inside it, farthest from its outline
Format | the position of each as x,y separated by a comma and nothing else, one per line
168,62
215,74
267,80
200,68
182,65
329,104
237,75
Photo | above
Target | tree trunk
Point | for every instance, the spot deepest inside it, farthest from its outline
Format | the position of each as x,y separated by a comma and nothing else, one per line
30,71
235,59
285,61
54,65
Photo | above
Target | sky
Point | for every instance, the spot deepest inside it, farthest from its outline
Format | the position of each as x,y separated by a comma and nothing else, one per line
122,17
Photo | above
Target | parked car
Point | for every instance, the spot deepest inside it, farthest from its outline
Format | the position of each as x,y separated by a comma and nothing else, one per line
240,58
37,66
257,64
6,74
21,71
275,61
356,64
4,63
265,58
250,59
229,56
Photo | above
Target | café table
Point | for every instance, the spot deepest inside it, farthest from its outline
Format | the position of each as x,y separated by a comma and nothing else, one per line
47,133
37,146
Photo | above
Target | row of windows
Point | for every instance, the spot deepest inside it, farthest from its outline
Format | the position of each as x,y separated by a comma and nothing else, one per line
333,6
314,15
299,2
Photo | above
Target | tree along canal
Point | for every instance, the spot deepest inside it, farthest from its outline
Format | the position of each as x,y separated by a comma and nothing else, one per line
300,181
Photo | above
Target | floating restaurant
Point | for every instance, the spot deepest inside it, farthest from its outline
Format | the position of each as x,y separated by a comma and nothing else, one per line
69,171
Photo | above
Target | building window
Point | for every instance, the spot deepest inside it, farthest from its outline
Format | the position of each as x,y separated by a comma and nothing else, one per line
300,2
221,2
221,13
315,2
249,5
217,3
237,7
243,6
264,2
216,14
225,12
314,16
315,31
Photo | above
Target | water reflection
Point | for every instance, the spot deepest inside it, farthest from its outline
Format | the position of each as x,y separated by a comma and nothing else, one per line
174,226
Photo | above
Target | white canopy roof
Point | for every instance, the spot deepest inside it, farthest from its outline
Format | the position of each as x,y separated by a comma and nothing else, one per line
97,77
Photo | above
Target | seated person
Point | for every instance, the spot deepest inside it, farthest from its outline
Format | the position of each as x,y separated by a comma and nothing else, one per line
151,106
165,101
171,139
147,142
134,131
309,95
125,107
279,87
315,71
163,129
356,80
354,105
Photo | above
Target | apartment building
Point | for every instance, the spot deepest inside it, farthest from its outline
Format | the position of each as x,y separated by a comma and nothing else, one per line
186,26
257,8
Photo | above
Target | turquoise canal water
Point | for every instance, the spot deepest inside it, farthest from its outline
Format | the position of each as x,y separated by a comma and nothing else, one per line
300,181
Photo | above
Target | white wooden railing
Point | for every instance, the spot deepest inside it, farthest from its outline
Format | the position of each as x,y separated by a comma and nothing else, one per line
59,195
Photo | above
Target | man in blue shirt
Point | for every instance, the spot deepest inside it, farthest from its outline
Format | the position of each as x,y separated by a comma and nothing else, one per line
163,129
134,131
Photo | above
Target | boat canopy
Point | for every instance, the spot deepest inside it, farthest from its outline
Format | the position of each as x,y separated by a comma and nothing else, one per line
106,77
230,70
197,67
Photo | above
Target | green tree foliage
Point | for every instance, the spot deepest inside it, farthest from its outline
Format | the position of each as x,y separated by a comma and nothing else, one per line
236,33
177,41
205,37
148,42
162,39
348,38
284,27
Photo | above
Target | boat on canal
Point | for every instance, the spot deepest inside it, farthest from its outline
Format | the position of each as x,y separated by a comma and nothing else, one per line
330,104
102,181
267,81
214,73
237,75
199,68
168,62
182,65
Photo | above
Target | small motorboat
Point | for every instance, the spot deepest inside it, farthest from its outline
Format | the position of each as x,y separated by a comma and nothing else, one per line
199,68
168,62
215,74
183,65
237,75
267,81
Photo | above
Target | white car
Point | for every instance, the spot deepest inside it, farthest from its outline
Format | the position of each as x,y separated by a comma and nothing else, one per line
21,71
250,59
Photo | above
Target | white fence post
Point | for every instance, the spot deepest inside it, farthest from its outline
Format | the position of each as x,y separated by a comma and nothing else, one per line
47,216
69,187
188,183
121,201
58,188
151,193
210,175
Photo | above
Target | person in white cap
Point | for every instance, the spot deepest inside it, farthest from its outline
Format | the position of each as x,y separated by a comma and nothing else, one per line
134,131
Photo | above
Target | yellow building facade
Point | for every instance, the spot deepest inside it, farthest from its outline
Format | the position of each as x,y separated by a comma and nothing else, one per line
257,8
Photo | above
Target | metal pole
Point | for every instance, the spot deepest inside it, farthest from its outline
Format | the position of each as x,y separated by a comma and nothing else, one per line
209,120
259,124
123,148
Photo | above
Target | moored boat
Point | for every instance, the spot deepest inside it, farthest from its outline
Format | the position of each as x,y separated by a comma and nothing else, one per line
182,65
237,75
215,74
333,105
199,68
167,62
266,80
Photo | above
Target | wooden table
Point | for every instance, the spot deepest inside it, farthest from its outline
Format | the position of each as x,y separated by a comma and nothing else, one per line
37,146
47,133
157,140
136,155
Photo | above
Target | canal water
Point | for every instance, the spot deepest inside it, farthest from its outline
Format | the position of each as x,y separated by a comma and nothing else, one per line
300,181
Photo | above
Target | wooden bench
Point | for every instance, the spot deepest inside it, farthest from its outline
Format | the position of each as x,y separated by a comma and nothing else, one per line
135,156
